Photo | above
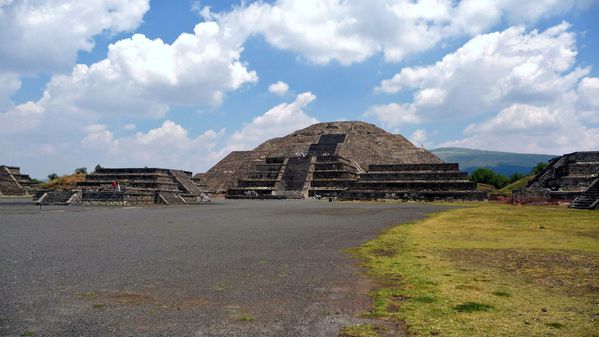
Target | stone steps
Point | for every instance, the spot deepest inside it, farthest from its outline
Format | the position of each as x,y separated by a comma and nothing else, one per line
185,182
589,199
414,195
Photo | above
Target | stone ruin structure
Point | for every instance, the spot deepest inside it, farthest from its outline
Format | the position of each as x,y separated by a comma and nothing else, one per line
12,182
349,160
571,178
137,186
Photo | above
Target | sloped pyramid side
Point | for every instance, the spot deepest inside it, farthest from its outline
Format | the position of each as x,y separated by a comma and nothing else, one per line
365,144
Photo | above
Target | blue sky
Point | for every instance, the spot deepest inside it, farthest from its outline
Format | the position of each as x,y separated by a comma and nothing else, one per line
497,75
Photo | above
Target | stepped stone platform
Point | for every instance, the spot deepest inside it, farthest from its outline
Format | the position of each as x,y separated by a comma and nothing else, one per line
571,178
329,160
137,186
12,182
428,182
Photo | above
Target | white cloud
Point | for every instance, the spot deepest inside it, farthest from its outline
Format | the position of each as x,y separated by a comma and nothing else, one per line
531,129
168,146
393,114
43,36
524,84
490,72
350,31
279,88
9,84
143,78
419,137
276,122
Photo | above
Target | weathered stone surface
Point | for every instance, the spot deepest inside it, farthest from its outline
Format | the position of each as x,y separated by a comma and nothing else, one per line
573,177
137,186
12,182
364,144
329,160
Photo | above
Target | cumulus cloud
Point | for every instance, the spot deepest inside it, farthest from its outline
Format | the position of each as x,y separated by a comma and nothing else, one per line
44,36
523,84
279,88
276,122
169,146
419,137
531,129
142,78
491,71
352,30
9,84
393,114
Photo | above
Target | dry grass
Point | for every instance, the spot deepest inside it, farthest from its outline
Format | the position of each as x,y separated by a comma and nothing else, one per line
64,183
490,270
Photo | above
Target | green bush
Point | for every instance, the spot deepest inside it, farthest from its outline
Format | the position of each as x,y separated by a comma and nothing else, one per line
487,176
81,170
537,169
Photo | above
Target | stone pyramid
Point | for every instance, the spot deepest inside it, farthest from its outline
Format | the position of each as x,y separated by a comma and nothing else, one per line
330,159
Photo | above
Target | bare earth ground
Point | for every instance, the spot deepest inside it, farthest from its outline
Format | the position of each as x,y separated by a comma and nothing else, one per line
230,268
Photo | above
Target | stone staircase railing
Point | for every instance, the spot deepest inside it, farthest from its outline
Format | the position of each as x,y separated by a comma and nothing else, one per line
184,181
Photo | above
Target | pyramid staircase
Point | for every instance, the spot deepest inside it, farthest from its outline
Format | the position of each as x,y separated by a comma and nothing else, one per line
433,181
589,199
319,172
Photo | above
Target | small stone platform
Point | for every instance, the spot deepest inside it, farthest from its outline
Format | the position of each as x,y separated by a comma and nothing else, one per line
427,182
572,178
12,182
137,186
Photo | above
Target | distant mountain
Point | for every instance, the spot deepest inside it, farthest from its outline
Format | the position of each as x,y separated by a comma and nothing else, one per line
505,163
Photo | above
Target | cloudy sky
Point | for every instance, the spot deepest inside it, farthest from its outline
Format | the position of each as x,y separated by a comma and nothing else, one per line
181,83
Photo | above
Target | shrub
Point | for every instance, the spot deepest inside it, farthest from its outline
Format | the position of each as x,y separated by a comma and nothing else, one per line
81,170
487,176
515,177
537,169
52,176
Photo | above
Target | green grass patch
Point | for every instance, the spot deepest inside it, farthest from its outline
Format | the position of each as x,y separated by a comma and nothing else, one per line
489,270
518,184
472,307
28,333
501,293
359,330
245,317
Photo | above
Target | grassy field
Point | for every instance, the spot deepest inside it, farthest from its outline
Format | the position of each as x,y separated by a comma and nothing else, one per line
515,185
490,270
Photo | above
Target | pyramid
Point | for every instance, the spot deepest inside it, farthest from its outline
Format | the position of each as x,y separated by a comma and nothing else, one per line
572,178
12,182
353,160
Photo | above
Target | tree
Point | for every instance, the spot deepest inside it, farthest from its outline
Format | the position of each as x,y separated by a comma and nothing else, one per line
537,169
52,176
97,168
81,170
515,177
487,176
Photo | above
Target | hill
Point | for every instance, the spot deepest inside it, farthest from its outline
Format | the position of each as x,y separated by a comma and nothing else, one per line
505,163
